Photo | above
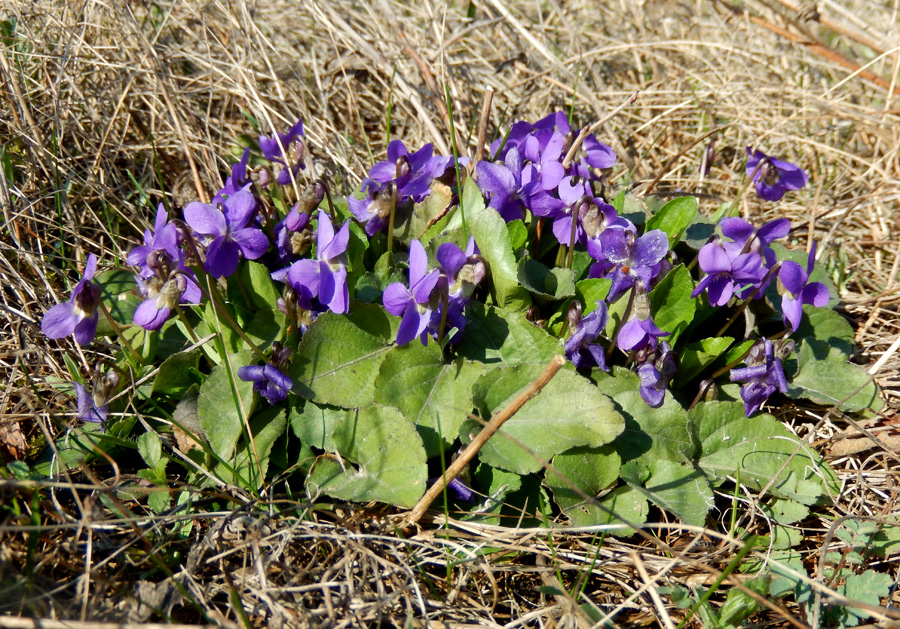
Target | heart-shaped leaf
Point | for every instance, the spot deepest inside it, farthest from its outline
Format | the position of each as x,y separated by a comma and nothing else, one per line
388,456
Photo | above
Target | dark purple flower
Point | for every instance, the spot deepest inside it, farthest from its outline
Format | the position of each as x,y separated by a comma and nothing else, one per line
511,191
411,173
325,277
624,258
740,232
268,379
94,408
289,236
237,181
580,347
78,316
726,276
773,177
656,368
271,383
796,289
162,296
230,237
88,410
286,149
763,374
415,304
164,239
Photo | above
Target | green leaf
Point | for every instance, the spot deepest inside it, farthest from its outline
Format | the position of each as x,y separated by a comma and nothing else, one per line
825,377
786,511
679,488
760,452
826,325
518,234
150,448
492,238
671,302
699,231
650,433
266,326
117,294
267,426
413,223
556,283
569,412
258,284
314,424
339,357
869,587
739,606
695,357
388,454
221,412
177,373
493,335
673,218
592,470
590,291
433,395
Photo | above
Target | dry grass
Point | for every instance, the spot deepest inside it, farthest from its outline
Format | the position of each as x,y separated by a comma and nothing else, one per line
109,106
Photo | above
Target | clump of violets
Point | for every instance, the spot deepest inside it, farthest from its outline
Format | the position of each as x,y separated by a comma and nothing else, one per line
279,222
80,315
773,177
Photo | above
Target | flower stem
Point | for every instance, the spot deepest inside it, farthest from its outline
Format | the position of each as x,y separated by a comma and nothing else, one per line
747,301
390,243
118,330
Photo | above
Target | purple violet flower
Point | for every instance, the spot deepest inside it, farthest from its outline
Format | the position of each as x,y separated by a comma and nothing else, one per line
291,157
597,154
773,177
268,379
94,408
78,316
639,331
763,374
624,258
796,289
228,231
163,239
237,181
325,277
580,347
740,231
461,273
511,190
727,276
88,409
415,304
162,296
656,369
